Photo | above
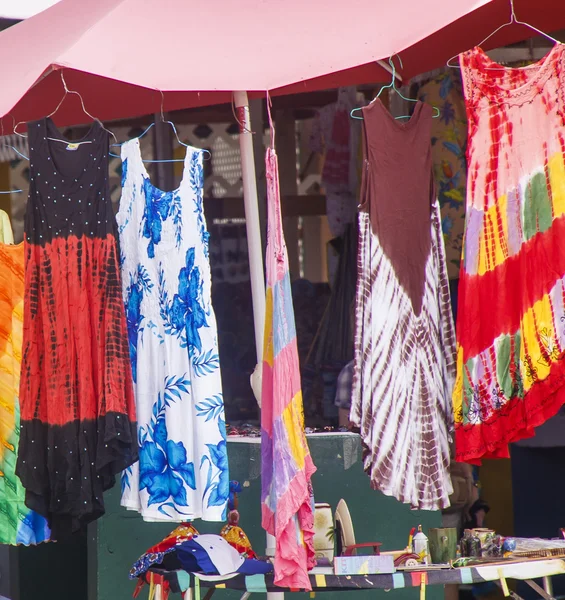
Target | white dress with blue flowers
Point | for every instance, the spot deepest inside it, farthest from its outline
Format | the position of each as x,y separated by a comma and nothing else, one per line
182,473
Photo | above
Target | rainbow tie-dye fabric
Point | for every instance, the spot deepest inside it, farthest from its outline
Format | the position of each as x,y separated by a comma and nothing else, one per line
511,315
18,524
286,464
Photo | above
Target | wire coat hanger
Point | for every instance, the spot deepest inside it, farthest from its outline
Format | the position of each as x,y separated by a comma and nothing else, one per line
67,92
163,120
4,192
392,85
513,19
2,134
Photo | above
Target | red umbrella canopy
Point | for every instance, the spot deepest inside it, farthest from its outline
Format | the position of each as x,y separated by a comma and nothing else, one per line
118,53
199,51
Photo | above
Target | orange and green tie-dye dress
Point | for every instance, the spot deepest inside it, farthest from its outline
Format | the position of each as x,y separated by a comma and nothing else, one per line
511,315
18,524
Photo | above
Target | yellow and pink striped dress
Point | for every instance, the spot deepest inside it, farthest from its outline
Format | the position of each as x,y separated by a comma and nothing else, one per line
511,315
286,463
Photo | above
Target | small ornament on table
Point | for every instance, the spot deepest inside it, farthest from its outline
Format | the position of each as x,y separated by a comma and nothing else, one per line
421,545
470,545
509,546
232,533
493,546
154,556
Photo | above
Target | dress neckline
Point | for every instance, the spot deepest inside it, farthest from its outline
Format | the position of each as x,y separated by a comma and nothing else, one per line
401,126
51,130
190,150
510,82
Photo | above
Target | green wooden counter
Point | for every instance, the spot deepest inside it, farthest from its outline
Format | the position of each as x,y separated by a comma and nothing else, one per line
118,539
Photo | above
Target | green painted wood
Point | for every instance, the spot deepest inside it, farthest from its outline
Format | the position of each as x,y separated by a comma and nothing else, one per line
53,571
122,535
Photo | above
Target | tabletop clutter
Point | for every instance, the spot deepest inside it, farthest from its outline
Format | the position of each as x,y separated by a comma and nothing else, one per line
219,557
210,556
338,552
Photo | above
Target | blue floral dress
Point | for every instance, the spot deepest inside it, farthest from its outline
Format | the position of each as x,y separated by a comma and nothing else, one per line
182,473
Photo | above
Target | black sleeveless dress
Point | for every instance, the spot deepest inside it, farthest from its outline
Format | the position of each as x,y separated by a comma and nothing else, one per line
78,425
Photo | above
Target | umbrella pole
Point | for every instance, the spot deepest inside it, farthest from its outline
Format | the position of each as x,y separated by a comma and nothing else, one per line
254,247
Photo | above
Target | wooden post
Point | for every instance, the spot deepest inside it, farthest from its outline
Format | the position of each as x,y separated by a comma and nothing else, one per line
5,199
315,229
315,236
256,112
285,142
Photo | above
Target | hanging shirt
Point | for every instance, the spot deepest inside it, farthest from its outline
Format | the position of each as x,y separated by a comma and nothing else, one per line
336,135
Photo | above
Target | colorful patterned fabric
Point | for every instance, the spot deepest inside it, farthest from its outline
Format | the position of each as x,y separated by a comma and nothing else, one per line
286,464
237,538
182,471
18,524
232,532
78,426
155,555
449,142
511,316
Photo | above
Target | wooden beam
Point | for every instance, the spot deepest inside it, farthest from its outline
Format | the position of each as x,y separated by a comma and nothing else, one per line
303,206
292,206
303,106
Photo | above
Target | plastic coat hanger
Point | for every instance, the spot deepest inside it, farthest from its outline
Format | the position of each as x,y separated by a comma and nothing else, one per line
4,192
181,143
67,92
392,85
513,19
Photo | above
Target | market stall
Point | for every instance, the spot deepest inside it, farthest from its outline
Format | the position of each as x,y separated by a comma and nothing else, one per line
183,467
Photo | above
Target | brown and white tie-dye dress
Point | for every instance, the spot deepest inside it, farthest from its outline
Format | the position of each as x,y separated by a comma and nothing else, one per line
404,343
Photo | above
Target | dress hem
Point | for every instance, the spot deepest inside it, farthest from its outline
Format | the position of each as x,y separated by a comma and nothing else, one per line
154,518
521,417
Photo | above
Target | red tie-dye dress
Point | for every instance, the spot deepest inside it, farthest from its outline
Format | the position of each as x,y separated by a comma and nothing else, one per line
511,310
78,425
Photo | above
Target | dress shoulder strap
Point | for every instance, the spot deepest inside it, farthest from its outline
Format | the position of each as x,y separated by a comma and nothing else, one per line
36,137
131,150
132,163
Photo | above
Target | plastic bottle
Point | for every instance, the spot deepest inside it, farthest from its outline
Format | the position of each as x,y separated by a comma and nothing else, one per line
421,545
465,540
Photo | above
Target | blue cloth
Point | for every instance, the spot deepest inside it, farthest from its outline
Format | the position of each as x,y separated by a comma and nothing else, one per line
195,559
